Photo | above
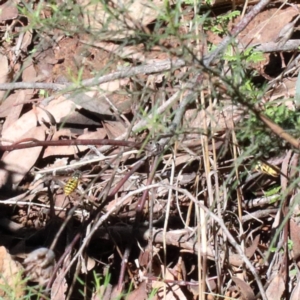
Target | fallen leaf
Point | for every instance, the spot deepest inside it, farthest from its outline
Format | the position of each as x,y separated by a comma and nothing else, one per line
294,232
4,73
29,73
59,108
249,251
87,264
8,11
59,287
11,277
128,52
275,288
271,21
15,110
18,162
245,289
114,129
39,265
295,295
27,39
71,150
138,12
7,104
139,293
173,290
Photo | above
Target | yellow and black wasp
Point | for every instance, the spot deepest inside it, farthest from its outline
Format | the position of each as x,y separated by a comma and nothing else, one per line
267,169
72,183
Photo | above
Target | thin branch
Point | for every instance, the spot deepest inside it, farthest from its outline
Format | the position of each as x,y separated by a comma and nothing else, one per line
162,66
31,85
30,143
274,47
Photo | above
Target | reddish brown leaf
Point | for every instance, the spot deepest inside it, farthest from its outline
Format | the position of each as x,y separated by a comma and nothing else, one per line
10,279
245,289
276,288
295,237
8,11
250,250
18,162
59,287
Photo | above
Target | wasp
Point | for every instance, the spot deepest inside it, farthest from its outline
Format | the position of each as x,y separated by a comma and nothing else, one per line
267,169
72,183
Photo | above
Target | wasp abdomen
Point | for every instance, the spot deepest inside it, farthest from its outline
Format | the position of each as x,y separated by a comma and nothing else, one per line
71,185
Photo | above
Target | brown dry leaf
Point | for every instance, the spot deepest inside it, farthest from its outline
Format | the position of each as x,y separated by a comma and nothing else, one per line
4,73
18,129
128,52
276,288
136,53
115,202
91,102
245,289
286,88
183,158
251,249
27,40
114,129
62,201
173,291
94,103
186,178
140,12
39,265
295,295
71,150
139,293
99,134
10,280
7,104
218,120
18,162
143,11
20,97
44,59
29,73
56,150
59,287
266,25
295,237
108,87
59,108
8,11
87,264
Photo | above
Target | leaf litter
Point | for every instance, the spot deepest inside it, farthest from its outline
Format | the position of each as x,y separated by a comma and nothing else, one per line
168,198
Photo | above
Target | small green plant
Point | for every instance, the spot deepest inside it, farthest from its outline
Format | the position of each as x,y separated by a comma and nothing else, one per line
290,245
76,80
99,286
293,272
19,288
153,293
219,25
282,250
248,56
64,16
267,141
272,192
